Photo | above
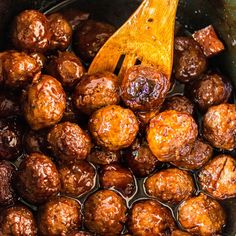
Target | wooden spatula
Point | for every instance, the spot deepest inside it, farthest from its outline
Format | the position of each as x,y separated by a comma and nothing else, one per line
147,38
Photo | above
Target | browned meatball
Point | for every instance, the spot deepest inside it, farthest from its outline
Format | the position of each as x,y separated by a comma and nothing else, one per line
219,126
76,178
140,158
201,216
105,213
59,216
79,233
218,177
69,142
10,139
31,32
61,31
45,102
37,179
96,91
144,88
179,103
211,89
170,185
197,158
119,178
40,58
113,127
90,37
179,233
171,134
149,217
144,117
7,177
18,221
67,68
189,60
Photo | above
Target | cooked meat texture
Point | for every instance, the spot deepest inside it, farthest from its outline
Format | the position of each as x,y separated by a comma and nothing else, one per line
170,185
179,233
171,135
189,60
149,217
218,177
79,233
37,179
219,126
59,216
113,127
69,142
202,216
45,102
105,213
144,88
31,31
96,91
40,58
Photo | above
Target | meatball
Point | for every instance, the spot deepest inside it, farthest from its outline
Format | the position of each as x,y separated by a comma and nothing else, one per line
10,139
118,178
171,134
179,233
113,127
69,142
219,126
37,179
76,178
140,158
18,220
149,217
189,60
45,102
59,216
105,213
40,59
79,233
7,177
144,88
179,103
90,37
144,117
218,177
61,31
31,31
96,91
170,185
197,158
201,215
67,68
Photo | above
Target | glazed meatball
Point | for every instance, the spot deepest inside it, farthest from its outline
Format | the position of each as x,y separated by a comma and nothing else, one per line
170,185
61,31
140,158
149,217
144,88
201,215
179,233
69,142
40,59
37,179
76,178
197,158
31,31
218,177
79,233
67,68
119,178
105,213
96,91
211,89
45,102
179,103
189,60
90,37
171,134
59,216
10,139
7,177
113,127
219,126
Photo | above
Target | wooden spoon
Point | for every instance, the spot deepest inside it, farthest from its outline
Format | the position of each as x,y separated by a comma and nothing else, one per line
147,38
